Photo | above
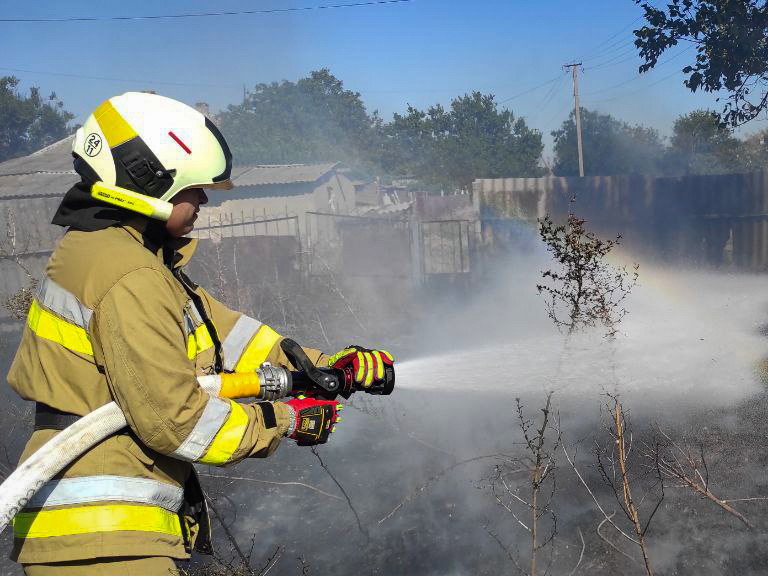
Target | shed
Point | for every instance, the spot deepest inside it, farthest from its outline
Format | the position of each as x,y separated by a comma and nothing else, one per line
275,191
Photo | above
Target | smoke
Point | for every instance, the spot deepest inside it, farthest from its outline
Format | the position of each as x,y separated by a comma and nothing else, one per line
416,464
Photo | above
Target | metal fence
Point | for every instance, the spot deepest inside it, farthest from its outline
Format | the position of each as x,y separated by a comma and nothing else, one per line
230,225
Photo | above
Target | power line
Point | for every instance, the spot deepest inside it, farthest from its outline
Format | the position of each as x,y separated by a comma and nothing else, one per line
524,92
631,92
554,92
113,79
597,51
610,63
203,14
638,76
625,54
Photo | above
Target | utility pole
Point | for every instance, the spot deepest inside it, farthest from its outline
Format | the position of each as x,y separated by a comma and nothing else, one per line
577,111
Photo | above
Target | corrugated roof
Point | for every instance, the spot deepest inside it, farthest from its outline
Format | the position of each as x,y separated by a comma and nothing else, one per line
47,172
267,174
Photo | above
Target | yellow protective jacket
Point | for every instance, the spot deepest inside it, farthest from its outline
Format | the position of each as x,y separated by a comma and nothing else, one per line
116,319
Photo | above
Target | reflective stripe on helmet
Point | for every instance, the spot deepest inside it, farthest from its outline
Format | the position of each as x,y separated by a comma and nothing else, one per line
90,489
229,437
212,420
114,127
258,349
234,345
94,519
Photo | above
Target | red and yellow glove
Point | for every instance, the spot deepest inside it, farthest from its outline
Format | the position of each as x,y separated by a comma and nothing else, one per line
314,420
367,365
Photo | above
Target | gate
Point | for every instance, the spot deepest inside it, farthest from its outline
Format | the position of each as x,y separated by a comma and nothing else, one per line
446,247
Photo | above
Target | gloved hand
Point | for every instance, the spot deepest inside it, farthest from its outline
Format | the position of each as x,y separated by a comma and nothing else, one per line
315,420
368,365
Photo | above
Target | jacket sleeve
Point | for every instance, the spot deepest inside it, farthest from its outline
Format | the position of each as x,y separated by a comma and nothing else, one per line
247,343
139,342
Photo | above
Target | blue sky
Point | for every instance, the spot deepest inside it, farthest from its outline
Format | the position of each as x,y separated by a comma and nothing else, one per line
420,52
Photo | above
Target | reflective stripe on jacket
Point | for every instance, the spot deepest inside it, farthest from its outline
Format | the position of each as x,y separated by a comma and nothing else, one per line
111,321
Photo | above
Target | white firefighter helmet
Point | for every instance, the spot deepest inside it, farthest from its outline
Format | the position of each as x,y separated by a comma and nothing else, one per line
151,145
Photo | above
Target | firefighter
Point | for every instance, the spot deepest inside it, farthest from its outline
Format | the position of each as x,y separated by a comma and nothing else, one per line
116,318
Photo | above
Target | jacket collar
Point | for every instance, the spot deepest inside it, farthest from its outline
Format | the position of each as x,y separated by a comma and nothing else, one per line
172,252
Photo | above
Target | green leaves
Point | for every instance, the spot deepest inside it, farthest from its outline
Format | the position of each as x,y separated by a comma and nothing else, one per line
312,120
731,49
315,120
610,146
28,123
449,148
583,290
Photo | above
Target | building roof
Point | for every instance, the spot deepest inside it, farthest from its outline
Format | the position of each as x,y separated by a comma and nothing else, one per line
269,174
47,172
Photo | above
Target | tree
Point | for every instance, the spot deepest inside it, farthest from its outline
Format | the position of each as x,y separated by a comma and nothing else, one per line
312,120
28,123
452,147
754,151
610,146
731,49
701,145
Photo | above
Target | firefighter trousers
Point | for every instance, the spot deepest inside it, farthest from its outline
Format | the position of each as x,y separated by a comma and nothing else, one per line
151,566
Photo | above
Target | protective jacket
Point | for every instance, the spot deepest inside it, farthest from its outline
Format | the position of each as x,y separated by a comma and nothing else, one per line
115,318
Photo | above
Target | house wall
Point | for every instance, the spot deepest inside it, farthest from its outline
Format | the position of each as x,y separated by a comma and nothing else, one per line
333,194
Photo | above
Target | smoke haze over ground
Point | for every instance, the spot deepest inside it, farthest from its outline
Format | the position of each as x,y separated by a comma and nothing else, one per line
415,465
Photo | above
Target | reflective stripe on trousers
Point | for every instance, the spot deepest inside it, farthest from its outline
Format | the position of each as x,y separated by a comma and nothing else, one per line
94,519
154,507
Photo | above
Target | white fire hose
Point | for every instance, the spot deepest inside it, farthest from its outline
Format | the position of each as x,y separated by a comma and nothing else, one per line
54,455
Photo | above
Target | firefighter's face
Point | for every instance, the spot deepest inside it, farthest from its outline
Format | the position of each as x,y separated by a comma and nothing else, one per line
186,205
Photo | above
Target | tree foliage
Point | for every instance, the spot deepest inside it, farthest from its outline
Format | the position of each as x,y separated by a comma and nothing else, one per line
610,146
312,120
28,123
701,145
731,49
450,148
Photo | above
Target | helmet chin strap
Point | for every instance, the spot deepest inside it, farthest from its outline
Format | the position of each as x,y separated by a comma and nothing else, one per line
130,200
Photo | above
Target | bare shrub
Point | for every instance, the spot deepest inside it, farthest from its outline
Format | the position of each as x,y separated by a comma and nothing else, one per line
538,462
625,475
686,468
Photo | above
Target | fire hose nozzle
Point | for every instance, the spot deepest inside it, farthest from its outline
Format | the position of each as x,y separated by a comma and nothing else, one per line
276,382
